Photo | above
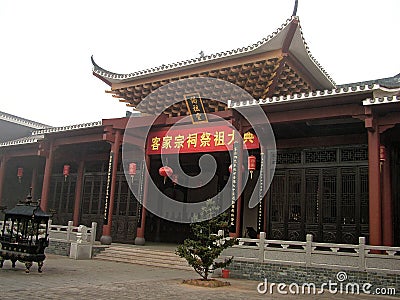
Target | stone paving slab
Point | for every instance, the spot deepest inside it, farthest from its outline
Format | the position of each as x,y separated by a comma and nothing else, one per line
65,278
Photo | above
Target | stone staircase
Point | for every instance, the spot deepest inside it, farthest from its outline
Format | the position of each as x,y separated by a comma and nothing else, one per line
149,256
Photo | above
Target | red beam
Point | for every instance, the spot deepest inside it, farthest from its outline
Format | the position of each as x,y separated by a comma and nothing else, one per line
13,151
322,141
95,137
287,116
389,119
118,123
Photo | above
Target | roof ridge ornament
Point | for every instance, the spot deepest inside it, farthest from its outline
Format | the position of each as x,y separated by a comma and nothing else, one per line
295,8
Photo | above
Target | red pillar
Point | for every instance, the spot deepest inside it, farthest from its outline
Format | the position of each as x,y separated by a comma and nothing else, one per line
140,230
78,192
2,174
387,216
47,177
375,209
239,202
106,237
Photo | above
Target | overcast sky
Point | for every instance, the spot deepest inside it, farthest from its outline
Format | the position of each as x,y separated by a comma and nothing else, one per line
45,67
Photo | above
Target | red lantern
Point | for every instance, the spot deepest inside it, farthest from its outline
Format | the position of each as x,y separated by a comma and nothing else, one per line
20,173
252,162
66,170
165,172
132,170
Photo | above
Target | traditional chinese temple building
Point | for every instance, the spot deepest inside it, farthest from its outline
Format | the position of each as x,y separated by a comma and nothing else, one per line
337,160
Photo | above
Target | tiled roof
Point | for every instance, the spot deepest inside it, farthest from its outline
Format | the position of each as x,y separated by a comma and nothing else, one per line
306,96
23,141
381,100
388,82
67,128
38,135
21,121
254,48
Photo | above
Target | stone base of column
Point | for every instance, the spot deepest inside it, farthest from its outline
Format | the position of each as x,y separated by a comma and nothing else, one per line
140,241
106,240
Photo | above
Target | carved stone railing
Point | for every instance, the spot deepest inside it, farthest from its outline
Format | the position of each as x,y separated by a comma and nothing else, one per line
72,233
358,257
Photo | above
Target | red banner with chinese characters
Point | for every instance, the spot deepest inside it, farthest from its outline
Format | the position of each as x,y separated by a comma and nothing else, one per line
193,140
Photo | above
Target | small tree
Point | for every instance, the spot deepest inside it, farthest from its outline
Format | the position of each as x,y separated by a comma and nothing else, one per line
205,247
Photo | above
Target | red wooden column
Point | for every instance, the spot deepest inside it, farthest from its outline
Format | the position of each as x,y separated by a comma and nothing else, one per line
47,176
2,174
375,209
239,202
387,216
78,192
140,230
106,237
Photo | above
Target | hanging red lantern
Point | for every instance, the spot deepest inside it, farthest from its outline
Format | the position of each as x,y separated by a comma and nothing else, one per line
252,162
132,170
66,170
165,172
20,173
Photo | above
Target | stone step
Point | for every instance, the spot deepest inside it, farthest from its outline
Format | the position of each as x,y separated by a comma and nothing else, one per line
146,263
143,256
139,250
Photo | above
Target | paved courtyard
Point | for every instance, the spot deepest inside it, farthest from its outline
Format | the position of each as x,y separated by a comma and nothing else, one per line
65,278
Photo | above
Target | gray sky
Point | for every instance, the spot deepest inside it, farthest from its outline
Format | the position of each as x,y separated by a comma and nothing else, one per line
46,73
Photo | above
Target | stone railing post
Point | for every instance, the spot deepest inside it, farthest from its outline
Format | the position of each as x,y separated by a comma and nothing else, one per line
69,230
361,254
93,233
49,223
81,249
309,240
81,236
261,247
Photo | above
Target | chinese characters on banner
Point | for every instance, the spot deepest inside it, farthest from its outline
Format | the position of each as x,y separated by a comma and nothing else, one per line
185,140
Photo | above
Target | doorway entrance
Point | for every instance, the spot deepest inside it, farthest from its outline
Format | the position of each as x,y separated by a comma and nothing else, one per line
161,230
